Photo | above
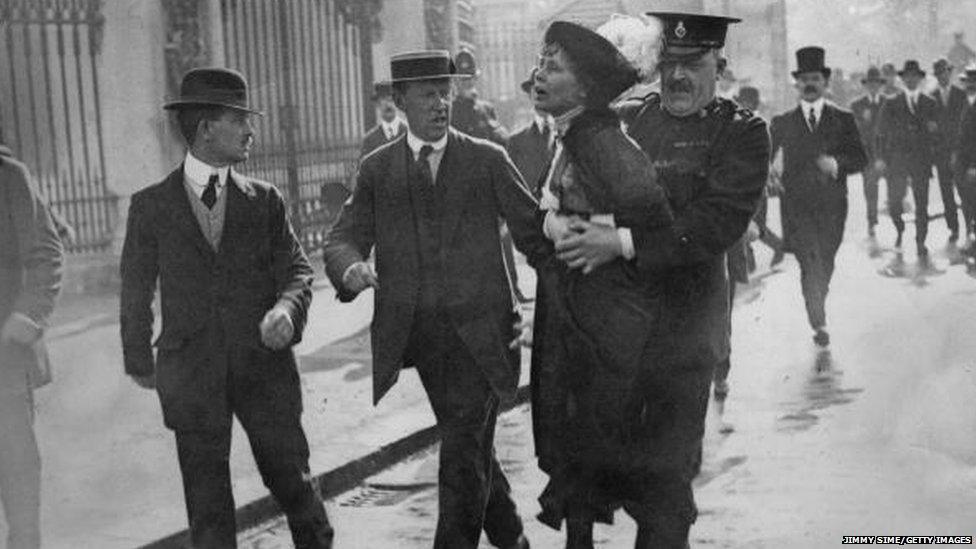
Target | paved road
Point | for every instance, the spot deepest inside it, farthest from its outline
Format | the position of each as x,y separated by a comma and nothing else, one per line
876,436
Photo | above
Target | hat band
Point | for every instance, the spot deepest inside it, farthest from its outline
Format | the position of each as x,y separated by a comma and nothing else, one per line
415,69
216,96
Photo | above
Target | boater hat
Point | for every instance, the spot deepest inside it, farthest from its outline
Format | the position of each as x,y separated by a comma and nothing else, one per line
215,87
692,30
422,65
811,59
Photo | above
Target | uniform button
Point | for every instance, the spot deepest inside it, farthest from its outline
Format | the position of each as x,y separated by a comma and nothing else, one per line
683,239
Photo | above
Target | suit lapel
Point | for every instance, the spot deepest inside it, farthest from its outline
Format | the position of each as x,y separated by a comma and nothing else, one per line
181,213
239,213
452,184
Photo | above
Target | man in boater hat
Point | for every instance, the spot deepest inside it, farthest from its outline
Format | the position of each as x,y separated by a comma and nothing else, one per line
821,147
713,158
866,109
428,205
906,139
235,287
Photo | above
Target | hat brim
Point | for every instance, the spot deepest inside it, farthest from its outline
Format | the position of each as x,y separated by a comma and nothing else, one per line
879,80
185,104
432,77
824,71
918,72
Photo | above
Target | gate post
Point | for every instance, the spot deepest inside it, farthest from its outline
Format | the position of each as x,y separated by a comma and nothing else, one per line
289,121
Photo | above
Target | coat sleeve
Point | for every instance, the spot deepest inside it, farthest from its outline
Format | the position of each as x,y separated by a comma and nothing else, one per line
352,237
139,268
40,248
292,272
712,222
518,208
851,156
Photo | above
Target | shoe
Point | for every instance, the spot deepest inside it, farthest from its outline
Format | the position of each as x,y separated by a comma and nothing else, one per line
721,389
821,338
778,257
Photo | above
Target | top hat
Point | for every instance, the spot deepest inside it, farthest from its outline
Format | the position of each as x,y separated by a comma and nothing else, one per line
213,87
692,30
594,56
873,75
747,94
527,84
941,65
811,59
911,66
466,65
381,89
422,65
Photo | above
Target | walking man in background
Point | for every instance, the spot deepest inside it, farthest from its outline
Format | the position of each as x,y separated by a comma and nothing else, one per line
235,287
906,133
950,103
30,279
821,147
429,205
866,110
388,126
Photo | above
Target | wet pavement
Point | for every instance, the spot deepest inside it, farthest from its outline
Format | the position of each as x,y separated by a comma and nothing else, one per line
875,436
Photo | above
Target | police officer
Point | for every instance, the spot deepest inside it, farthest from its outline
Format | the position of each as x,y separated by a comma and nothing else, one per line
470,114
713,158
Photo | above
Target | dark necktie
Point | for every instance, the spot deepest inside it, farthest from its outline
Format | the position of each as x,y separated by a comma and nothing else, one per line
911,104
210,193
547,137
424,166
813,121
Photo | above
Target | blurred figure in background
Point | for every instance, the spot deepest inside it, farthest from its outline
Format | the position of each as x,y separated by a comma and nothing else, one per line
890,75
967,188
950,103
531,147
469,113
31,258
960,54
388,126
866,110
821,147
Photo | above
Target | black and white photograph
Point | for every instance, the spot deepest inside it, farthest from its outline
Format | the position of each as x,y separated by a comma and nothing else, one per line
471,274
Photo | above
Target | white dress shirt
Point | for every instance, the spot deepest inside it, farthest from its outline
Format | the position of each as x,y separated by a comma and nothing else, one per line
911,96
391,129
817,108
434,160
198,173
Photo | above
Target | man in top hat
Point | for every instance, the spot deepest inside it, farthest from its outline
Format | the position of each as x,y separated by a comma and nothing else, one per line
821,147
30,278
388,126
966,158
866,110
428,206
713,158
950,103
235,287
906,138
469,113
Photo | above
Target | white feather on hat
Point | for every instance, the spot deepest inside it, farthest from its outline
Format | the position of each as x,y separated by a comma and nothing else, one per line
638,39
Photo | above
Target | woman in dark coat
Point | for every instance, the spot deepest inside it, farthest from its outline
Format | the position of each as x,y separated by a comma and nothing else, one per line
595,331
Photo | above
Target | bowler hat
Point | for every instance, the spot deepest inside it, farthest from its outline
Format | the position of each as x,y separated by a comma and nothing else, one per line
911,66
873,75
692,30
747,94
811,59
422,65
594,57
214,87
941,65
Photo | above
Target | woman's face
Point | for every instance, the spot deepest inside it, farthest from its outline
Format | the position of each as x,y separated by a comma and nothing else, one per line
557,89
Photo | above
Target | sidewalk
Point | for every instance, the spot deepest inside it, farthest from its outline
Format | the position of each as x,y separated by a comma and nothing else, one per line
111,478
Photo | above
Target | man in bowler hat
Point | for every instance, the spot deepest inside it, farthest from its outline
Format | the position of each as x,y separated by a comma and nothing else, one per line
821,147
428,206
866,110
235,287
31,258
906,138
388,126
950,103
713,158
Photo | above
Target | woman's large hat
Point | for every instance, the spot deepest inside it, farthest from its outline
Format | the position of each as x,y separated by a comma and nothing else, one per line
811,59
912,67
212,87
595,57
422,65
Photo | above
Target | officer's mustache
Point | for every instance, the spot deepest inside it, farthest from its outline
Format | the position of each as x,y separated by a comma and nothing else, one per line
680,86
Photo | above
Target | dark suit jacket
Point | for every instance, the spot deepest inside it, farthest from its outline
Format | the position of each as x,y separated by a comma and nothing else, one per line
30,264
906,140
202,293
481,185
836,135
949,113
967,140
530,152
866,116
376,138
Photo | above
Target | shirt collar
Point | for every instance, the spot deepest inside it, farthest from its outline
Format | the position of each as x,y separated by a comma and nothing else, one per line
542,122
817,107
562,122
415,143
391,128
198,172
